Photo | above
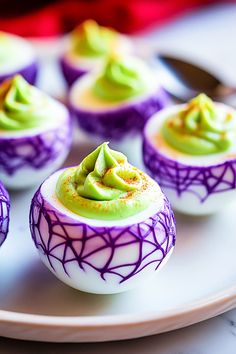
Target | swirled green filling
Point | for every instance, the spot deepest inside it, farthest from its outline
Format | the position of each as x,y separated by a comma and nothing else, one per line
200,128
91,40
22,106
122,78
105,186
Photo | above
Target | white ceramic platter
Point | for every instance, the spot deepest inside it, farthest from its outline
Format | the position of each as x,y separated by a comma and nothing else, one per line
198,282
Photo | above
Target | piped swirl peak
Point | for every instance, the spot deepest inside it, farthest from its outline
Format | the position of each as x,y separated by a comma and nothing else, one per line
105,186
91,40
200,128
123,77
22,106
105,175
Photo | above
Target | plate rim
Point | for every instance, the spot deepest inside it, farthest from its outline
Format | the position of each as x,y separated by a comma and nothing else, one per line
215,300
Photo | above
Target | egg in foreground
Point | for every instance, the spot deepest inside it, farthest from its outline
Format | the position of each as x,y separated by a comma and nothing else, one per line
104,226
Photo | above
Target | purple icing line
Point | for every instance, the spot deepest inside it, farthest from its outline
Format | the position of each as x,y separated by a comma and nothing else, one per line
4,213
35,151
51,232
70,72
115,124
29,72
183,178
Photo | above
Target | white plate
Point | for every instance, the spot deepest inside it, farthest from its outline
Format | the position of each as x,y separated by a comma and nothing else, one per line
198,282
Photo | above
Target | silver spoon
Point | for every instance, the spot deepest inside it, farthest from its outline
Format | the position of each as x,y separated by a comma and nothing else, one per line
184,80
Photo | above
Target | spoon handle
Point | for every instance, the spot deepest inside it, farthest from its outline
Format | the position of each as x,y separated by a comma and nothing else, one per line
223,91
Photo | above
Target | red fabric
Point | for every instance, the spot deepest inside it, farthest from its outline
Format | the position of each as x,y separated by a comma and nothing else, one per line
124,15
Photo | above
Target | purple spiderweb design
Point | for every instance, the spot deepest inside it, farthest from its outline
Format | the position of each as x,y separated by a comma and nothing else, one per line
36,151
4,213
115,124
197,180
70,72
59,238
29,72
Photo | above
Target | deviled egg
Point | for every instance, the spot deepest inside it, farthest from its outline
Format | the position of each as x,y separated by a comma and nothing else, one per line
87,47
119,100
4,213
17,56
103,226
190,150
35,134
